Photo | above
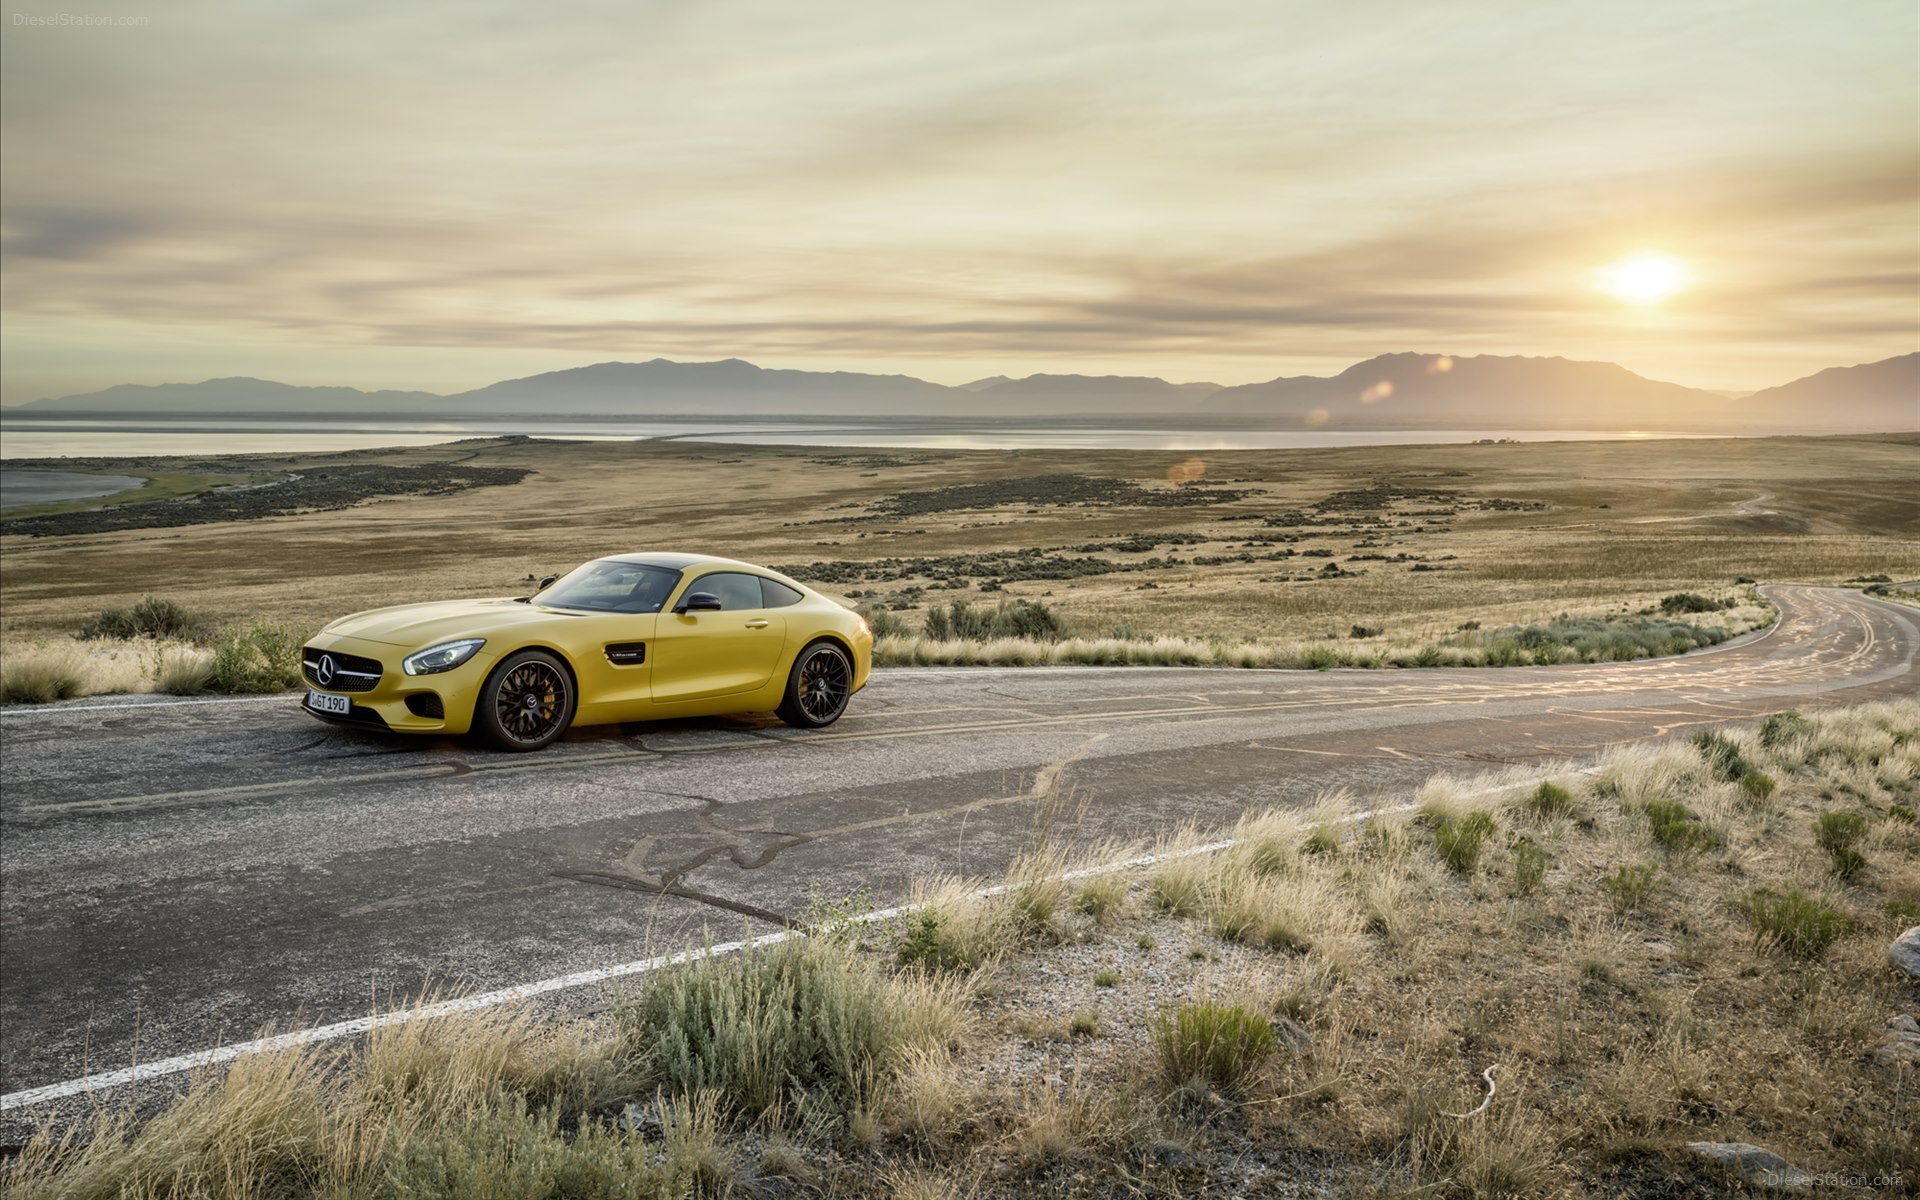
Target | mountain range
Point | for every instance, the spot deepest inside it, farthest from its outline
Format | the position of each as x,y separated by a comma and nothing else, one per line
1391,391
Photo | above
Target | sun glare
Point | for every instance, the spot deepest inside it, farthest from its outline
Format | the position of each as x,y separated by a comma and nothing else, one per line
1645,278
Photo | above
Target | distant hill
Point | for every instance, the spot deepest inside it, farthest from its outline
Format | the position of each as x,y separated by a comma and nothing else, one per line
730,387
1093,395
236,396
1393,391
1876,395
1437,391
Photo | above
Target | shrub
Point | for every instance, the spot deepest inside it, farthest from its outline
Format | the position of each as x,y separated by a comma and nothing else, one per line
1320,658
1782,727
1630,887
1106,977
1793,922
803,1027
952,932
1689,602
1219,1044
1675,827
1839,830
1757,786
1549,800
1722,754
1529,865
1011,618
1459,839
150,617
263,656
883,622
1848,862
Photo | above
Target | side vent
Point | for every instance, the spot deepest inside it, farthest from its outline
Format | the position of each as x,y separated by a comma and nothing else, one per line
626,654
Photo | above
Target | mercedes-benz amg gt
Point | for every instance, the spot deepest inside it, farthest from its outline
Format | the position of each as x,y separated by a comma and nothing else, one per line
630,637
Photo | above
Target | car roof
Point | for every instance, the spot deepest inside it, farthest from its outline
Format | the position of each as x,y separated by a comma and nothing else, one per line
678,561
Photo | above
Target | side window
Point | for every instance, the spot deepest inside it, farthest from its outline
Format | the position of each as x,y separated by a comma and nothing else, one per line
777,595
736,591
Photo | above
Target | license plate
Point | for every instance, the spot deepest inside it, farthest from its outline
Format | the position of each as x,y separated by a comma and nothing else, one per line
321,702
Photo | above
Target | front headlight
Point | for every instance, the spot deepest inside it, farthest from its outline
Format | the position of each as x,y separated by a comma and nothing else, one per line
444,657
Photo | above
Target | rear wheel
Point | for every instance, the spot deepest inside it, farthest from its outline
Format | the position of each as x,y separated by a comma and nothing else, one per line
818,687
527,702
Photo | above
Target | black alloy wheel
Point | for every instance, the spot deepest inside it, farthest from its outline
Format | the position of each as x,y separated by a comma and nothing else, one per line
527,702
819,687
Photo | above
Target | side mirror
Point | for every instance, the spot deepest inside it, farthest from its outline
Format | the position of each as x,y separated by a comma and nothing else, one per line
698,602
548,582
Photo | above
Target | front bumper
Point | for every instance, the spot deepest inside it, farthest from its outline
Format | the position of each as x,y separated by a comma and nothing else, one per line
403,703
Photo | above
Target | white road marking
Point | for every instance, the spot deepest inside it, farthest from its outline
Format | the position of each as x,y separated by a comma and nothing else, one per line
15,711
180,1063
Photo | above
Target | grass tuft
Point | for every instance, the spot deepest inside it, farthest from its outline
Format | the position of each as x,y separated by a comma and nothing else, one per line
1219,1044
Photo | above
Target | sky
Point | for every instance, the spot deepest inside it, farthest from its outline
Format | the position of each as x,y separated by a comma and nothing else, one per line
440,196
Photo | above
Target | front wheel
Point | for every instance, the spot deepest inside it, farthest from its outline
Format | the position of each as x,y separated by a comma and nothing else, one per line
527,702
818,688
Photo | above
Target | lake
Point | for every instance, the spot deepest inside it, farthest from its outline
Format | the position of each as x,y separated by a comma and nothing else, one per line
80,437
18,489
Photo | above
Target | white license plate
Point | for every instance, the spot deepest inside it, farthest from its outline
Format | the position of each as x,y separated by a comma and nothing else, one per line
321,702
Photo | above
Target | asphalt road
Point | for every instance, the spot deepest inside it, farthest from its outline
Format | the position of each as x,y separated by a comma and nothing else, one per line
177,874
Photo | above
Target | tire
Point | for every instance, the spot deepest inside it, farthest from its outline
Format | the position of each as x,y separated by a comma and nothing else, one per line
818,687
527,702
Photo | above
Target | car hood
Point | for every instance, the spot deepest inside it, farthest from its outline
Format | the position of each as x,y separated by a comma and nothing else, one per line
416,626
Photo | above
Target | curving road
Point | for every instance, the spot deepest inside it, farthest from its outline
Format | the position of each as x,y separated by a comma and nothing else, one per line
176,874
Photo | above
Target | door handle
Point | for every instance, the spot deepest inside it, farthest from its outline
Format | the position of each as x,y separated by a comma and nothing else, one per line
758,624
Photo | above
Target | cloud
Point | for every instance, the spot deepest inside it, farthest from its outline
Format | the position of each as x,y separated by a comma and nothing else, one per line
1161,188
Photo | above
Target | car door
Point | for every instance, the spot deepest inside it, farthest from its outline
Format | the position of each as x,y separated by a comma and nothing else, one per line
705,654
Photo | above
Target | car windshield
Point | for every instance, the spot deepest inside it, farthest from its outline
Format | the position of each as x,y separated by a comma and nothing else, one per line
620,587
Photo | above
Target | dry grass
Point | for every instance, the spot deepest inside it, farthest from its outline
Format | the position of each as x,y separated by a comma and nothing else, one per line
1624,525
46,670
1322,999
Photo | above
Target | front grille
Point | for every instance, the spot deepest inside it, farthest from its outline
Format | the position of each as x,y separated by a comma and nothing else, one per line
427,704
351,673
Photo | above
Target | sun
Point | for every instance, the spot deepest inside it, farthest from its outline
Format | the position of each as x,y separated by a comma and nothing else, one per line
1646,278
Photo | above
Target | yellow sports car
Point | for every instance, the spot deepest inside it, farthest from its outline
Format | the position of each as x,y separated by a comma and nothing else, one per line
630,637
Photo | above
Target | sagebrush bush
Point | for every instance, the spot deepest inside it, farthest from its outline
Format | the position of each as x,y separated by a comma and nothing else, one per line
1631,886
1690,602
1549,800
960,621
1677,828
1793,922
1529,865
1722,754
883,622
1839,830
151,617
262,656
